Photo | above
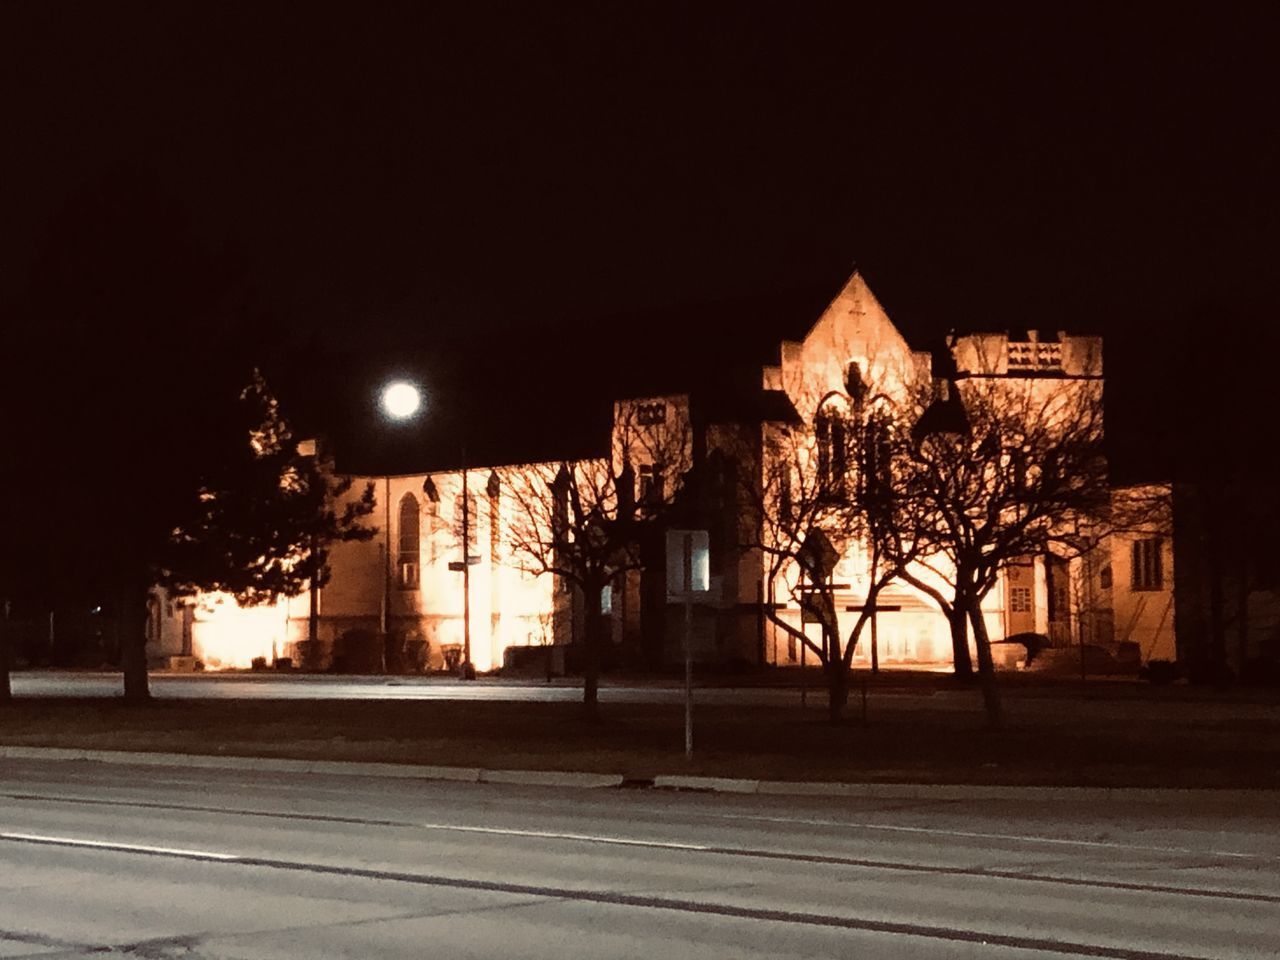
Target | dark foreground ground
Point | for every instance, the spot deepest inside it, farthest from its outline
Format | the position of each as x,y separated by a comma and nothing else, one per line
1108,735
100,860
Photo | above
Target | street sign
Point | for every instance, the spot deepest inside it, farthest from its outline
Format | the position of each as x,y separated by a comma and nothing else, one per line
456,565
818,556
811,608
688,579
688,564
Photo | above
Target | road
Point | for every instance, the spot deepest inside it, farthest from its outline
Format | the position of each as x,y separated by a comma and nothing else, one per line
98,859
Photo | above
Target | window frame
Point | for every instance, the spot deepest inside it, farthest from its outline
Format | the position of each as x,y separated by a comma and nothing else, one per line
1146,565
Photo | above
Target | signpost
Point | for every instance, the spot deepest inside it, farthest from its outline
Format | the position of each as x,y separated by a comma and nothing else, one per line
875,609
688,579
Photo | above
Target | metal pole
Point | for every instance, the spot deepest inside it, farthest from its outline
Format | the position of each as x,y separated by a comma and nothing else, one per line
468,671
804,648
804,672
313,606
688,678
386,570
875,640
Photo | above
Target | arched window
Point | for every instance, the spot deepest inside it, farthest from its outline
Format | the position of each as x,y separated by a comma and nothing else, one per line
410,540
832,429
875,474
155,624
494,489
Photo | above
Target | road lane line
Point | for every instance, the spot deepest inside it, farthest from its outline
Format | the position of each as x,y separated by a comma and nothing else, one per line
720,850
802,821
580,837
614,898
977,835
117,846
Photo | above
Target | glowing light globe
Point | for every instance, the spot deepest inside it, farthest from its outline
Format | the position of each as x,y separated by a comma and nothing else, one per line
400,400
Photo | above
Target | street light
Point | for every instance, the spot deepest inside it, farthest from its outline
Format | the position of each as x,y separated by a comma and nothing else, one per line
400,401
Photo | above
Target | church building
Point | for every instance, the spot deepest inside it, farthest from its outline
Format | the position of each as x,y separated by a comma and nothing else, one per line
441,575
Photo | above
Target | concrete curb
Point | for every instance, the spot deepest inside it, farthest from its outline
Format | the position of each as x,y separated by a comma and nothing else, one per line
582,780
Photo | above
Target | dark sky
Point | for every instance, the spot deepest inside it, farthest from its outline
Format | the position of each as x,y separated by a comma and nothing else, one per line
405,179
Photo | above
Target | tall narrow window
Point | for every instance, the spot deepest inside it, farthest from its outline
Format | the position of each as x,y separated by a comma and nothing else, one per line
649,484
154,624
785,502
494,489
832,432
472,522
409,543
874,476
1148,565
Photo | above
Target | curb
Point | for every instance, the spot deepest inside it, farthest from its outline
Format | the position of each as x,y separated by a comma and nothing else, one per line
583,780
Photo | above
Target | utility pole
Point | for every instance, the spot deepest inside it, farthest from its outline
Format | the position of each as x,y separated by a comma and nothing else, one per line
468,669
386,571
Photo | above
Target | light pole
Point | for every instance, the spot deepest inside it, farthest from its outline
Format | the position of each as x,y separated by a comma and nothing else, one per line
400,401
467,671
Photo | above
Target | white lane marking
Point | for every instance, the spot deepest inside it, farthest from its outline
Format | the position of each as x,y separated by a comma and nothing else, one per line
804,821
552,835
115,845
1021,838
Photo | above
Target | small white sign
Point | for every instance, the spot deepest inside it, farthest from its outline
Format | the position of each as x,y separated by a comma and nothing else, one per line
688,563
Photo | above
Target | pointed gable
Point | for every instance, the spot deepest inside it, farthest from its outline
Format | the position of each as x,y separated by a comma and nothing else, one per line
853,329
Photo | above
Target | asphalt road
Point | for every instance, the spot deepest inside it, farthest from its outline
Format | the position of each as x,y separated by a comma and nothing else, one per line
155,864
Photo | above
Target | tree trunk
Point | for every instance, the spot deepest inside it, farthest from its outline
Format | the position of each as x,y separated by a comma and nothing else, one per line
133,645
1242,618
986,667
593,641
1217,665
313,597
958,619
6,691
837,689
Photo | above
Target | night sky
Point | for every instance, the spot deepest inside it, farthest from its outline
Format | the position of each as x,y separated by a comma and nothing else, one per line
560,189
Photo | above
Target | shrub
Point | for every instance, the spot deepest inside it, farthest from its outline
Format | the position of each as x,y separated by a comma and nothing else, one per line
1162,672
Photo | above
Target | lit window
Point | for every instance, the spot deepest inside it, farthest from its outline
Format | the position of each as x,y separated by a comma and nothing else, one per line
472,518
875,478
494,489
833,452
648,414
1148,565
410,538
649,483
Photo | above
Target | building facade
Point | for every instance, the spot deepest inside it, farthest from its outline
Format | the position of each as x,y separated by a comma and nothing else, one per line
445,568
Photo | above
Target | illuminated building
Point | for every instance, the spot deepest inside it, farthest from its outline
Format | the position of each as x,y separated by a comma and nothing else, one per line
1117,600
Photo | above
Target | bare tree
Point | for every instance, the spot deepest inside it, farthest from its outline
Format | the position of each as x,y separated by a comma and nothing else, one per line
1023,475
828,490
582,521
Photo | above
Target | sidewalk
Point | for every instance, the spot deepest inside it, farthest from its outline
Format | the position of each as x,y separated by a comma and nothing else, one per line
581,780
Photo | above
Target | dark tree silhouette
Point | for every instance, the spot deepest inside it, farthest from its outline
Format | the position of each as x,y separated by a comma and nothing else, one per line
583,521
823,489
1024,475
261,524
